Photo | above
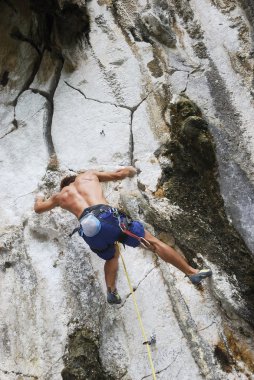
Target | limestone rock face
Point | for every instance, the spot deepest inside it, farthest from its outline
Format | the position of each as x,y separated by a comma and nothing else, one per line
168,88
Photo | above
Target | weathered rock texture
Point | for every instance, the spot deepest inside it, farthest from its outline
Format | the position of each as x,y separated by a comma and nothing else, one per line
166,87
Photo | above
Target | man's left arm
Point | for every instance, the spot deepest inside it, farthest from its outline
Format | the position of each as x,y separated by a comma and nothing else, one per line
128,171
42,205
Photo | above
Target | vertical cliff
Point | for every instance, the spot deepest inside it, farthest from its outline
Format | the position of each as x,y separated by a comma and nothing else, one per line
165,86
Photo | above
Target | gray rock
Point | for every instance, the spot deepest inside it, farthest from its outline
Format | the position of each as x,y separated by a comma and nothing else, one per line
161,30
103,84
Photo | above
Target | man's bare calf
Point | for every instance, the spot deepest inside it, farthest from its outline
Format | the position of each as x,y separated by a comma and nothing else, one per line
168,254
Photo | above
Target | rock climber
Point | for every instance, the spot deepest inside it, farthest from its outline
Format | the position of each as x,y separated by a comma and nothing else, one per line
102,226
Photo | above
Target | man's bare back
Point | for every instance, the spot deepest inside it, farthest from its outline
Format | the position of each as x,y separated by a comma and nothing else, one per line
83,192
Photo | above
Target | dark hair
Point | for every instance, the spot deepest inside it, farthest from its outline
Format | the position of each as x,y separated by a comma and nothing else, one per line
67,180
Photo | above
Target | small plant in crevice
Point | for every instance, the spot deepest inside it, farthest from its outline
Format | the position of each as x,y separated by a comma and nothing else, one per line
53,163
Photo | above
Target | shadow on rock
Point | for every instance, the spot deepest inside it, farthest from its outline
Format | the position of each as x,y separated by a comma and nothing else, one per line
190,182
83,360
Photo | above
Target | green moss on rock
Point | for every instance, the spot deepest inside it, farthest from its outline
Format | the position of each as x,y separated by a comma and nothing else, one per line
191,183
82,361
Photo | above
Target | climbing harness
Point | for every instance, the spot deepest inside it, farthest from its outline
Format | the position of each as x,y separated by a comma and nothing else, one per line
123,221
146,342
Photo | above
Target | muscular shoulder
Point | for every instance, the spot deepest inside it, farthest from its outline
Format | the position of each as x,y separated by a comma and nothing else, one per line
55,198
66,192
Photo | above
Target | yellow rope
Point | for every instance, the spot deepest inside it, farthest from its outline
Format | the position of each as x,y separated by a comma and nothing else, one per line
139,316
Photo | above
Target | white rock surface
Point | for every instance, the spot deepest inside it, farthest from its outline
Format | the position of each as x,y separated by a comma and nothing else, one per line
112,111
90,131
23,158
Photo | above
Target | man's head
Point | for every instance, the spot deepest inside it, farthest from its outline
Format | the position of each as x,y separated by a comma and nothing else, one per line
67,180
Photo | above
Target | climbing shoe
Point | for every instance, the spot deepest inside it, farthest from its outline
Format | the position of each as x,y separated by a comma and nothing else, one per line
201,275
113,297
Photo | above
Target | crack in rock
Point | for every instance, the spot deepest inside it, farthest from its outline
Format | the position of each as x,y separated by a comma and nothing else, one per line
134,289
49,97
47,130
42,93
50,108
17,35
187,82
179,372
201,352
188,76
96,100
30,80
131,142
173,70
168,366
19,374
204,328
48,127
14,128
131,109
26,86
134,108
50,368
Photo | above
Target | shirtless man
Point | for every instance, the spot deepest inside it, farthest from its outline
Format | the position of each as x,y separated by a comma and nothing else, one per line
83,195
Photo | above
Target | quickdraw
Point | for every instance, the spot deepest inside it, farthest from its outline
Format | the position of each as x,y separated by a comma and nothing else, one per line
142,240
126,231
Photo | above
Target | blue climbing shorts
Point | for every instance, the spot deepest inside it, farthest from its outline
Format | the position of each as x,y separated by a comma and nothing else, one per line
104,243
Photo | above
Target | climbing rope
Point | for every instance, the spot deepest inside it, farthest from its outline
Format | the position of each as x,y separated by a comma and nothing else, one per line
147,343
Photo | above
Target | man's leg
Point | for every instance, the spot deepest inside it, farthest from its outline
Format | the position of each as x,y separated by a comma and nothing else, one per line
110,269
168,254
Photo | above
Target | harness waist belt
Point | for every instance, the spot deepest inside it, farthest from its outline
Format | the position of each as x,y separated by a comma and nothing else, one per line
123,219
96,210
